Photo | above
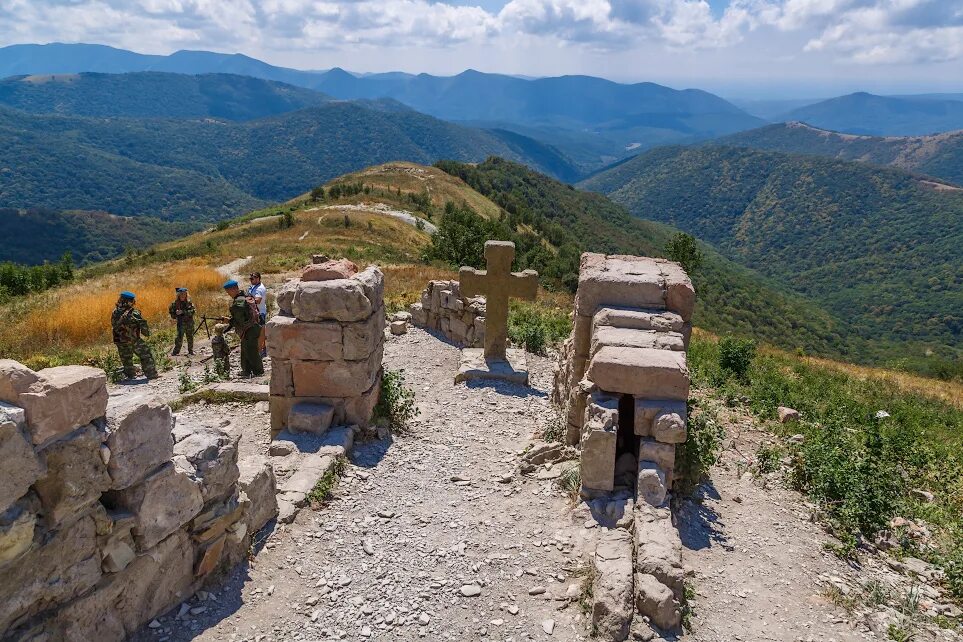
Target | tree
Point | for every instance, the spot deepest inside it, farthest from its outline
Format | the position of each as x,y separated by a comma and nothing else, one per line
683,250
317,194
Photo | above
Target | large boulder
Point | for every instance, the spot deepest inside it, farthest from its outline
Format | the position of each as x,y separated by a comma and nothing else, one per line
612,587
161,504
139,439
75,478
345,300
62,399
209,457
19,466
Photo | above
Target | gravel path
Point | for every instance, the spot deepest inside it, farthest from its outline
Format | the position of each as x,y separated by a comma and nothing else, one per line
431,536
381,208
758,561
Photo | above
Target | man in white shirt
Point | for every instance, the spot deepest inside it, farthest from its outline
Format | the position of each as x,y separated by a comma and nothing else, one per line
259,292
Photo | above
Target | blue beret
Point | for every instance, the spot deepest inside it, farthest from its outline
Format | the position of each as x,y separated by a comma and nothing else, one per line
179,290
230,284
127,295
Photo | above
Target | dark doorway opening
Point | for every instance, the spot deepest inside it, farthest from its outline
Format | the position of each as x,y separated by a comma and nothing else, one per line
626,444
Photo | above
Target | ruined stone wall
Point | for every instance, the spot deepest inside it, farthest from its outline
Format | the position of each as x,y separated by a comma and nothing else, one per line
622,383
326,348
442,308
109,513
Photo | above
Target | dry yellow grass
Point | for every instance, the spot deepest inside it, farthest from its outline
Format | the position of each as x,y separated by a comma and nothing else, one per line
79,316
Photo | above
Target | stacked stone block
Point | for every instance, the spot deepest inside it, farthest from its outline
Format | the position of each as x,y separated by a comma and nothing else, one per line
109,515
627,354
442,308
326,348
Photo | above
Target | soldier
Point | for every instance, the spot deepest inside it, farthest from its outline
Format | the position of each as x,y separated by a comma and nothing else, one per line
221,350
182,311
244,321
128,326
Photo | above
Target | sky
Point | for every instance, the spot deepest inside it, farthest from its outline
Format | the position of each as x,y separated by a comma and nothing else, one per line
738,48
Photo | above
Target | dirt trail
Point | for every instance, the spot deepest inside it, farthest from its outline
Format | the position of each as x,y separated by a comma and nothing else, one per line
756,557
417,525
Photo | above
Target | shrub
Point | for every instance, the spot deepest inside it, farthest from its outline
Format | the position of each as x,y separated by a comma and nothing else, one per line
396,404
682,249
700,451
536,328
736,355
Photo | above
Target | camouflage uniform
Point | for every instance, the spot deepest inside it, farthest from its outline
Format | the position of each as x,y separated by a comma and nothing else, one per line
128,326
220,349
185,323
245,322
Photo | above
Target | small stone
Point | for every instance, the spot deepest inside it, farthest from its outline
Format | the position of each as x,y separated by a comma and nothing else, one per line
548,626
470,590
513,609
386,514
424,619
154,624
536,590
366,631
367,546
459,478
197,610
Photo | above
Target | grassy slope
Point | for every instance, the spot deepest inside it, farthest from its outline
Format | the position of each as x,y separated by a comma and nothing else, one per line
871,245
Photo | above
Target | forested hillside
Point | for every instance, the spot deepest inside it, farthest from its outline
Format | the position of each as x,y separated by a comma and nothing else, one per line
863,113
731,298
939,155
153,94
38,235
206,169
876,247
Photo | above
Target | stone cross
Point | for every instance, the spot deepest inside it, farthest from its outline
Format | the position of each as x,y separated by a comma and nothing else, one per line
498,283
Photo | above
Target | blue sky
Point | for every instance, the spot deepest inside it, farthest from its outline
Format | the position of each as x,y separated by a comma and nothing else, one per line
754,48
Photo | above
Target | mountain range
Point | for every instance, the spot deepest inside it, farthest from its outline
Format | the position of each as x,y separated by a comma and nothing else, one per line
938,155
871,115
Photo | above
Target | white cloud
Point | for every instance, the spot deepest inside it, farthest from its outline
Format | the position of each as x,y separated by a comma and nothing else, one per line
859,31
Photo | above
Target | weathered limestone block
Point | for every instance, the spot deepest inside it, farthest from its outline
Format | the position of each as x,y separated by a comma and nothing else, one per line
663,420
15,379
630,338
598,443
209,457
63,399
161,504
299,485
118,549
312,418
122,602
19,466
612,594
458,329
338,300
372,279
289,338
659,453
17,526
363,338
64,566
651,486
399,327
582,335
217,517
15,414
139,439
419,316
643,372
282,378
285,297
257,481
638,319
655,601
329,270
359,410
75,478
629,281
680,295
336,378
658,547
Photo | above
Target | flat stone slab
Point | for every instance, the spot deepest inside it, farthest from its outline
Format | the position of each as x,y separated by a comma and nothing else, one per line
247,390
474,367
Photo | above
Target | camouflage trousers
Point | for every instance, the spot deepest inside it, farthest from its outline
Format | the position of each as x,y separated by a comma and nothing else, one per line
142,350
185,327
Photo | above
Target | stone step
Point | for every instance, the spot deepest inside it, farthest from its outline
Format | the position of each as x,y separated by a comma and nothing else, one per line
638,319
644,372
612,586
307,417
243,390
632,338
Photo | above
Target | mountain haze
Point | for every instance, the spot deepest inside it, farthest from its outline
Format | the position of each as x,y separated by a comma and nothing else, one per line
863,113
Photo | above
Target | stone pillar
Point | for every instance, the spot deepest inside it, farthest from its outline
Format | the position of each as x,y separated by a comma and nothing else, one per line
326,348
